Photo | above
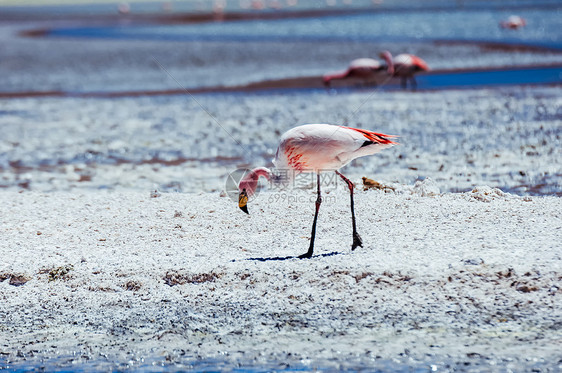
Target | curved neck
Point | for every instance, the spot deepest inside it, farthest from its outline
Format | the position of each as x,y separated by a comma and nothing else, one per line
388,58
262,171
249,182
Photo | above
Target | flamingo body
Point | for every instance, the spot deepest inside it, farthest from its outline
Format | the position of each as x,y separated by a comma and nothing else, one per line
408,64
405,66
326,147
365,66
513,22
317,148
361,68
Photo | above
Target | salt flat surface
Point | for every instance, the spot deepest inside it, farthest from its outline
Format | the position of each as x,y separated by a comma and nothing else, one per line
95,273
508,138
471,280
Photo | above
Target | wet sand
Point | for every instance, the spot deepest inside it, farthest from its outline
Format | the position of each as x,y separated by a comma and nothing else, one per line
382,82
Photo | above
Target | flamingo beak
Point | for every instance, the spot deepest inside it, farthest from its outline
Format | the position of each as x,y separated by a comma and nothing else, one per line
243,201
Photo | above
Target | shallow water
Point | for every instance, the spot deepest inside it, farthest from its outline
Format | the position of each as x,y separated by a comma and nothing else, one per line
533,75
543,28
181,362
143,6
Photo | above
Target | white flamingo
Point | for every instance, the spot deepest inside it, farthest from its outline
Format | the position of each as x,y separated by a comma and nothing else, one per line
513,22
317,148
405,66
362,68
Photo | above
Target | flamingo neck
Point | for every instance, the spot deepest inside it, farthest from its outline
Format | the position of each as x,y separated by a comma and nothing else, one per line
335,75
388,58
262,171
249,182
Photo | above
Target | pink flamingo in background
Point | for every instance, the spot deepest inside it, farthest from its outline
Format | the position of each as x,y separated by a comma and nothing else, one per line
513,22
405,66
317,148
362,68
124,8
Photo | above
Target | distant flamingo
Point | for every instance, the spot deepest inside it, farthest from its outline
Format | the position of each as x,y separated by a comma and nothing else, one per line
167,6
317,148
362,68
124,8
406,66
513,22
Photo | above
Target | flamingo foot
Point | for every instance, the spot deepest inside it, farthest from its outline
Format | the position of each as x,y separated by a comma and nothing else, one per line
307,255
357,241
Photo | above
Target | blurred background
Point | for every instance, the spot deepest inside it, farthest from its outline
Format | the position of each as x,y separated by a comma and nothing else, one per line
174,95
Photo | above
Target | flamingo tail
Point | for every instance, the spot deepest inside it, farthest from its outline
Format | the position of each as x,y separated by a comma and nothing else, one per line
335,75
375,137
419,63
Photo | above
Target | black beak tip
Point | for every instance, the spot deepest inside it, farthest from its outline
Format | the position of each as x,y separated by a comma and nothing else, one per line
245,209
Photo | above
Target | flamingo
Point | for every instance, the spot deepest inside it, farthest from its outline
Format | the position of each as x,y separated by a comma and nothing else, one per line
362,68
513,22
406,66
317,148
124,8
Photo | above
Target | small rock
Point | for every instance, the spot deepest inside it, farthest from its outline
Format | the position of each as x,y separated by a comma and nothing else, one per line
60,273
473,262
525,288
426,188
18,280
132,285
487,194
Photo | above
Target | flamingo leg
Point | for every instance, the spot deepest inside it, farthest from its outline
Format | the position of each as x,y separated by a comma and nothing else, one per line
414,83
313,234
404,82
357,241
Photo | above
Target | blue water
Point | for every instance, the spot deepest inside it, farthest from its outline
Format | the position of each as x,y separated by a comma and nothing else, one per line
462,79
544,28
545,75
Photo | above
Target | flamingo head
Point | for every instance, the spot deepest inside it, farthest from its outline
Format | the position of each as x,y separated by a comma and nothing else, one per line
248,185
385,55
243,201
246,188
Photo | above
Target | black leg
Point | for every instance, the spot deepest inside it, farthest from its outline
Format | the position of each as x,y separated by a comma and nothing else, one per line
357,241
404,82
313,234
